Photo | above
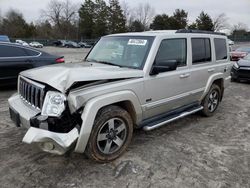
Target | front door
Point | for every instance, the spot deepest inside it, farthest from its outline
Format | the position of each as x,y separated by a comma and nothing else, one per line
169,90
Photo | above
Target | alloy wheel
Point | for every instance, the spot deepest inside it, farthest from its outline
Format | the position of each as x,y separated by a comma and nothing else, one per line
111,136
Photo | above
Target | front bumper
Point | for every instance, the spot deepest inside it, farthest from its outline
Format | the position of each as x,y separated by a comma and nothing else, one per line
56,143
52,142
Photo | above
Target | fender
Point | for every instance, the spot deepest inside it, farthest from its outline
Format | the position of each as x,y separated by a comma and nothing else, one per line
210,81
94,105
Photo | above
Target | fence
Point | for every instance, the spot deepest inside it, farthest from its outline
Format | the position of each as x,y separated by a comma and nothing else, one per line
50,42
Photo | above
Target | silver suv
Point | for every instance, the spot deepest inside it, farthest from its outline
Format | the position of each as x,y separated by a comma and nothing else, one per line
127,81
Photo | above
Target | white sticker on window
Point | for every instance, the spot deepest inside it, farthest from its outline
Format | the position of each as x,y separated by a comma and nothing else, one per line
137,42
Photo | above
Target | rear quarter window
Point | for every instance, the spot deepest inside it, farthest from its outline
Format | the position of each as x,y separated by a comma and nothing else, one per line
220,48
12,51
32,52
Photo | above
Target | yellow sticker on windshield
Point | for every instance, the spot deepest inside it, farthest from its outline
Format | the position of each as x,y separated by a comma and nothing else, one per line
137,42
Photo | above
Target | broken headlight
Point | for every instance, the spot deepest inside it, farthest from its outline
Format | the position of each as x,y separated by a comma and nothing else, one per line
54,104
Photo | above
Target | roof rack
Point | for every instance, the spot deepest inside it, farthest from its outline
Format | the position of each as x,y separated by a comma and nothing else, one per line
199,31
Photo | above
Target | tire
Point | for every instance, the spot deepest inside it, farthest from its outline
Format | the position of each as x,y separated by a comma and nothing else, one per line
211,101
111,134
234,80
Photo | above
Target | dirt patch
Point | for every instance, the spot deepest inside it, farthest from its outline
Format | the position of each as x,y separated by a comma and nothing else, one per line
192,152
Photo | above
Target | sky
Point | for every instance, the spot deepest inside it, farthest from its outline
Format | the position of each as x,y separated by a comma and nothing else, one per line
237,11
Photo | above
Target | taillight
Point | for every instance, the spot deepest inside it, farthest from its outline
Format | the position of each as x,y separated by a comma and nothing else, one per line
60,60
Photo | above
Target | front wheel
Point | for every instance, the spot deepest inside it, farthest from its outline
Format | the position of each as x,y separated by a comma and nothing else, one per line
211,101
111,134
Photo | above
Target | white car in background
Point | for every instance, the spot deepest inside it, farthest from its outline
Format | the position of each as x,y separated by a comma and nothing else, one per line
230,42
36,44
21,42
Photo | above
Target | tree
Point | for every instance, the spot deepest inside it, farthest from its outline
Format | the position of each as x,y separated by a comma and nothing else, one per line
160,22
14,25
136,26
30,30
62,15
179,19
239,31
144,14
220,22
127,12
240,27
86,14
117,20
204,22
45,30
192,26
100,19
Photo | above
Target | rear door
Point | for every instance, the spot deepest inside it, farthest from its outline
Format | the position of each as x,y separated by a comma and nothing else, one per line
13,60
202,66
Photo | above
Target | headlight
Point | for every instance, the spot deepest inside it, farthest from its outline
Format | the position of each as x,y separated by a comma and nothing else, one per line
236,65
53,104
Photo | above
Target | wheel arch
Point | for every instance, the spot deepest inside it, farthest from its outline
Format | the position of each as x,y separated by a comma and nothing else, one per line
217,79
125,99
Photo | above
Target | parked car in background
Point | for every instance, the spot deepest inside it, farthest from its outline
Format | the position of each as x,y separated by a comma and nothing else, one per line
84,45
15,58
59,43
21,42
230,42
71,44
4,38
241,69
36,44
239,53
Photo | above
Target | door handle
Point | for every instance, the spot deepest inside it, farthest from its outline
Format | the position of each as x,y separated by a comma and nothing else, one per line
184,75
211,70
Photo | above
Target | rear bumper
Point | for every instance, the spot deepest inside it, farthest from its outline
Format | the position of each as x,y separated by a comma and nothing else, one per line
52,142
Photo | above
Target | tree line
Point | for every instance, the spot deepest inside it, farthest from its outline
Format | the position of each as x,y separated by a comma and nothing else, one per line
95,18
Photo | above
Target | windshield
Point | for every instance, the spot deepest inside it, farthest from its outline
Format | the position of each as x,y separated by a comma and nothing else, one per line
123,51
243,50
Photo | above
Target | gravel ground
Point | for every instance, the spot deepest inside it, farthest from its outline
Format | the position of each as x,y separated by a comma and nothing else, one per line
191,152
70,54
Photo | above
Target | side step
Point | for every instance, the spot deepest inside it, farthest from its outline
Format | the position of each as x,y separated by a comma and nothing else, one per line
168,119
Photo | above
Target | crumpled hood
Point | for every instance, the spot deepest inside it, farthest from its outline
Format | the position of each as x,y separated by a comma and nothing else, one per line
63,76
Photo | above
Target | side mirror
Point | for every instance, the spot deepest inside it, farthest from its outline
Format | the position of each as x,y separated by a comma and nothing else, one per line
163,66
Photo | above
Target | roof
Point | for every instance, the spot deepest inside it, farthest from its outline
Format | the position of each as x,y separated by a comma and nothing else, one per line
169,32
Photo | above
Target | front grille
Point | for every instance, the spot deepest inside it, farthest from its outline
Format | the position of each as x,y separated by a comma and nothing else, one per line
244,73
31,92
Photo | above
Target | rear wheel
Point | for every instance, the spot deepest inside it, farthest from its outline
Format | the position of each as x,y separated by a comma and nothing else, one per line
111,134
211,101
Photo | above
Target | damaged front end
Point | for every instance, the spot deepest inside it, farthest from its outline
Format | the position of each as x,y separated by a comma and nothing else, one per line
56,143
45,114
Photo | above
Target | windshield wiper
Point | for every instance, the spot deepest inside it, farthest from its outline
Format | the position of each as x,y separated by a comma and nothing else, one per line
103,62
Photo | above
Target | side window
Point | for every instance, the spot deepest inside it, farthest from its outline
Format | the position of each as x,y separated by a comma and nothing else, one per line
201,50
32,52
220,48
173,49
11,51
